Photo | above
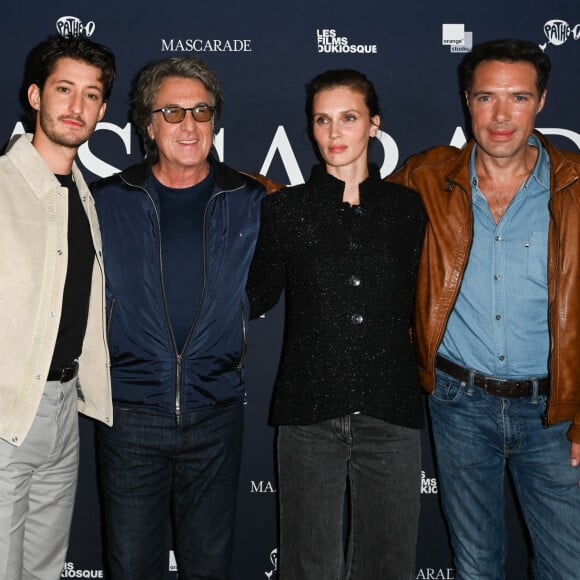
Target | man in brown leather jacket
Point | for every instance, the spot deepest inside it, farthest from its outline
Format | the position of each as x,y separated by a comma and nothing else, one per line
498,318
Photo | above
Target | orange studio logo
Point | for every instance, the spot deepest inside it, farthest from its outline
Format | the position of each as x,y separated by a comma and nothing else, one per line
73,26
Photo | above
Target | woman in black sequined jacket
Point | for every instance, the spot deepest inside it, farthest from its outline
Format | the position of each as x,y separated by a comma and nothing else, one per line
345,247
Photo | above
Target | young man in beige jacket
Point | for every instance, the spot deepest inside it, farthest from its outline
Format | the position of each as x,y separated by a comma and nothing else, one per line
51,306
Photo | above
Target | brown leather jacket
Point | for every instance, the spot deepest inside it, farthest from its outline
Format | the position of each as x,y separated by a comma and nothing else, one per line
271,186
441,176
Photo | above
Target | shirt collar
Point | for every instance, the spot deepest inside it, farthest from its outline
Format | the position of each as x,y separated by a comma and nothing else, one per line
540,173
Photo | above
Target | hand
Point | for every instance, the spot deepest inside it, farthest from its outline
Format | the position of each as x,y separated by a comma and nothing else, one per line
575,456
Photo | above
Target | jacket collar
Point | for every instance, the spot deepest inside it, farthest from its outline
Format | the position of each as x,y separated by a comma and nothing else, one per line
459,172
562,173
226,178
329,187
34,169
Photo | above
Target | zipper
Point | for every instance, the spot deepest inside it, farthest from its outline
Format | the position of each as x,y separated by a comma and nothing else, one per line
179,355
244,349
178,375
110,318
204,286
199,306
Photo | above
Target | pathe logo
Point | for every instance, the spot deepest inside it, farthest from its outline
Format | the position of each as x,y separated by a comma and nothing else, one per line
428,484
558,32
457,38
328,41
73,26
274,562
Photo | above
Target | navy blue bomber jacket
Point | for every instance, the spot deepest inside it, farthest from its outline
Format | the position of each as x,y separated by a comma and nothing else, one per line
147,371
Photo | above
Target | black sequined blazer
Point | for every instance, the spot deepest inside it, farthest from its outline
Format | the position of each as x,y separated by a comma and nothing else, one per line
349,275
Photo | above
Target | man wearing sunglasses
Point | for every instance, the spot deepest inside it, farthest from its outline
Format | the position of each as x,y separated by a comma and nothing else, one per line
178,236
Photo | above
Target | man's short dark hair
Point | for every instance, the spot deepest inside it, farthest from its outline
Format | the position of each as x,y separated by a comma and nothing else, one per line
43,59
507,50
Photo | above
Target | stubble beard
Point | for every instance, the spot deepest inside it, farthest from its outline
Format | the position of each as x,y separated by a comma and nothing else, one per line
63,137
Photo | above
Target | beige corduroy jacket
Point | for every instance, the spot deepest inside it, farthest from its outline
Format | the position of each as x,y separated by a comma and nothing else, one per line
33,263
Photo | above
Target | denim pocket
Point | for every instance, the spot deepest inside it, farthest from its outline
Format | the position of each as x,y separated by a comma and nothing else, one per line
538,257
447,389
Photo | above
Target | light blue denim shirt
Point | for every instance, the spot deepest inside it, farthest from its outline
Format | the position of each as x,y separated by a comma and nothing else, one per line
499,325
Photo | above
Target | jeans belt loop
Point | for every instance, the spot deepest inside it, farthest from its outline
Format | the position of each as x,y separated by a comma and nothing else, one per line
535,389
471,382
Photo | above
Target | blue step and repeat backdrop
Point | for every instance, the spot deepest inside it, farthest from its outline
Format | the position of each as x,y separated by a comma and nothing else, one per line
264,52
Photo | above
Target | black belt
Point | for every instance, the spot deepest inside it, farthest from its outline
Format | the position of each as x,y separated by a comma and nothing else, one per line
499,387
64,374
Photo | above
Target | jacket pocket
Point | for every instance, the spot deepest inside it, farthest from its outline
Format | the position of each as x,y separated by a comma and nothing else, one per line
538,257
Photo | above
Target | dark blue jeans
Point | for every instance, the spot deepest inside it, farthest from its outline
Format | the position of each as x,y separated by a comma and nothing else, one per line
378,465
151,469
476,436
